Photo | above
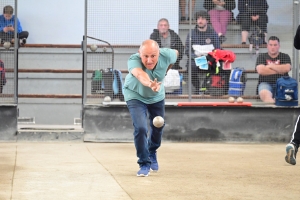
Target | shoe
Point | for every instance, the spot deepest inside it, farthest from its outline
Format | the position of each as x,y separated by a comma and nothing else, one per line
182,19
144,171
222,39
22,41
291,152
243,42
154,163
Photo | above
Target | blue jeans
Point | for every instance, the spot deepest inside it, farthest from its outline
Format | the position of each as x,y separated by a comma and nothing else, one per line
267,86
144,144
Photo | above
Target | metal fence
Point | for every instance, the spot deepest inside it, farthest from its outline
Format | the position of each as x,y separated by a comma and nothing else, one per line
8,57
123,25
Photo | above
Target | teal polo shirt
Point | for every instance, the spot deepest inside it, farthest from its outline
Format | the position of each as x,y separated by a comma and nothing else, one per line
134,89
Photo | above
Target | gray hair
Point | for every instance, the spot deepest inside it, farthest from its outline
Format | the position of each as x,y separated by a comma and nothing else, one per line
163,19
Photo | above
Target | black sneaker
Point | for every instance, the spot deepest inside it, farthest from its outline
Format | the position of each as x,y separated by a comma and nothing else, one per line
22,41
291,152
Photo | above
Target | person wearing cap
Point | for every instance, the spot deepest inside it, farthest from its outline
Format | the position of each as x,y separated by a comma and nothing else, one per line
7,27
203,35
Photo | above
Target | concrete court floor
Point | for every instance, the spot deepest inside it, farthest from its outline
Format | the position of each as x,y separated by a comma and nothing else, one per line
62,170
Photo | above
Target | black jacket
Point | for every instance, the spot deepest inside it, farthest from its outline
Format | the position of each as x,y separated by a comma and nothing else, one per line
229,5
249,8
297,39
175,44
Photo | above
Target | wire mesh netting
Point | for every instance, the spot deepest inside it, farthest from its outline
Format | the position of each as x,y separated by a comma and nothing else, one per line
220,43
7,52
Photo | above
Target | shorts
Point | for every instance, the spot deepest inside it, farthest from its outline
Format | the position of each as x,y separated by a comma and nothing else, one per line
267,86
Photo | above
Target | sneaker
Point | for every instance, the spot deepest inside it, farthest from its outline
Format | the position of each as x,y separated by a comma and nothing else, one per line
144,171
291,152
22,41
154,163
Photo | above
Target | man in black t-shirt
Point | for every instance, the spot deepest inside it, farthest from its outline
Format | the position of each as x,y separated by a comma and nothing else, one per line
270,66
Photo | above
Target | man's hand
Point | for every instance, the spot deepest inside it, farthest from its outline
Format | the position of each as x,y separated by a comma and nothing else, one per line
154,85
255,17
8,28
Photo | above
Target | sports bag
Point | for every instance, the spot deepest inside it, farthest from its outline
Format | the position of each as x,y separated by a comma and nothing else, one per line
96,84
237,82
108,82
286,93
216,84
118,85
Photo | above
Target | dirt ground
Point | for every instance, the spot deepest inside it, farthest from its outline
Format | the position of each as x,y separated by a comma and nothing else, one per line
205,171
187,171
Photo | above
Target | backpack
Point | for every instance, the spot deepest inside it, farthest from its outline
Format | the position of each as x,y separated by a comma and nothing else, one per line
237,82
108,82
286,93
96,84
216,84
256,36
2,76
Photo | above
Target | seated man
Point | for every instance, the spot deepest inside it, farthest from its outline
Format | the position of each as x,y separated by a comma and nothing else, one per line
167,38
202,35
7,27
270,66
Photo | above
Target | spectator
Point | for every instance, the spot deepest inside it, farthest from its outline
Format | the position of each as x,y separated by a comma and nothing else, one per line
145,98
252,13
270,66
201,35
182,5
220,15
7,27
167,38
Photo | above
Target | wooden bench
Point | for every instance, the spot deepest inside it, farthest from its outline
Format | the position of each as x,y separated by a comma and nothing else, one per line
120,46
122,70
168,96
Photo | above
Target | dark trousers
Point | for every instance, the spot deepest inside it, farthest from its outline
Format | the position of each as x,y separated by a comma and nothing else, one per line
247,23
5,37
296,134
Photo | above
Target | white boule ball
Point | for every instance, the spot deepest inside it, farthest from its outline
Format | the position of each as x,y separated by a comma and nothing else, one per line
231,99
240,100
107,99
158,121
6,45
93,47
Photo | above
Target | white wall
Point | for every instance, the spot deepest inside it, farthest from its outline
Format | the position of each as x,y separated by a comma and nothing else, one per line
116,21
52,21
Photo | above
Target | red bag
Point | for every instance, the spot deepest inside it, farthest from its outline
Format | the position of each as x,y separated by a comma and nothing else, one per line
223,55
